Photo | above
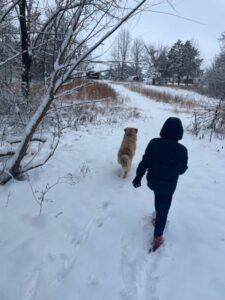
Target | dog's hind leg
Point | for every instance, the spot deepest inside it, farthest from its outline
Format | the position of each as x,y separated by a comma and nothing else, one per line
125,174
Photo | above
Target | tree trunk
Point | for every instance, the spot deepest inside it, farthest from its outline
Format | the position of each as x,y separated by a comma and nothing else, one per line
14,167
26,58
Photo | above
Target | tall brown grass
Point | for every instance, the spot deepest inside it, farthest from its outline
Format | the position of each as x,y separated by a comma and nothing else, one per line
86,90
79,90
190,87
164,97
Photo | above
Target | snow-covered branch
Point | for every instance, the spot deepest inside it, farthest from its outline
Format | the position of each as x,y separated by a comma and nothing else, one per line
9,59
8,10
57,78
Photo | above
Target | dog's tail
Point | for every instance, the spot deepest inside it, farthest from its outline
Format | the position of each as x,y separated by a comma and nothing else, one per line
124,159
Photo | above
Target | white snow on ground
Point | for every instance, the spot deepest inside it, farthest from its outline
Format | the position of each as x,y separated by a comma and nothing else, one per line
91,240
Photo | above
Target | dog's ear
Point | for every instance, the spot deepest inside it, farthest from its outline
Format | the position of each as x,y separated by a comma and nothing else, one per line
136,130
125,129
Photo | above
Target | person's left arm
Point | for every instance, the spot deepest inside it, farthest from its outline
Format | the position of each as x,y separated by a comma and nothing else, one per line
184,163
143,166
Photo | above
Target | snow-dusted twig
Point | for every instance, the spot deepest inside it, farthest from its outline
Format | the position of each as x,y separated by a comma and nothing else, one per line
75,178
9,59
8,198
210,119
40,196
71,91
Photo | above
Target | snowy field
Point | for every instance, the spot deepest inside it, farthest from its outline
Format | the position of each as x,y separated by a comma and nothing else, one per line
91,240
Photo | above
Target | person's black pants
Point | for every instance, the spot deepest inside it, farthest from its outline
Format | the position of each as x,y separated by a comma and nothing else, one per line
162,206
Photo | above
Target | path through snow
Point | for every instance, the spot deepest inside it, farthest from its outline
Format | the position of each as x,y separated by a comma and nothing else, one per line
92,239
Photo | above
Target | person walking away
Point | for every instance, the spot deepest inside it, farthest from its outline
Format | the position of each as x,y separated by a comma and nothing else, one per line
164,160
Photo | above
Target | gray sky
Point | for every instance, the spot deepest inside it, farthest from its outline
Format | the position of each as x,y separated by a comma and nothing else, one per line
159,28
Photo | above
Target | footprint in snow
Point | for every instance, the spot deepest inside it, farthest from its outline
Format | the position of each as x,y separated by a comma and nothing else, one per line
103,215
33,283
93,281
105,205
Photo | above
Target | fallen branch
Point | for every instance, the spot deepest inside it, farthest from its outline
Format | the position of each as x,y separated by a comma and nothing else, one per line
8,153
15,140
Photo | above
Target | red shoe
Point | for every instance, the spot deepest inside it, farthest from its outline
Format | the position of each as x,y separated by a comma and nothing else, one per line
157,242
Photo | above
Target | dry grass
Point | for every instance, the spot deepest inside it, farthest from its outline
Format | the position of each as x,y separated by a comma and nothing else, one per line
93,102
77,104
87,90
190,87
78,90
164,97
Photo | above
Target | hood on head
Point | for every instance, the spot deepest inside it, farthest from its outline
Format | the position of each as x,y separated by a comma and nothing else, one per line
172,129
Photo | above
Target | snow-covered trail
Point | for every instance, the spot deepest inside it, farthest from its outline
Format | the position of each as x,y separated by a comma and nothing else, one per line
92,238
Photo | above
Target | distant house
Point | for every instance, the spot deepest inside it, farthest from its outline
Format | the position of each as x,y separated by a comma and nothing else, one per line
93,75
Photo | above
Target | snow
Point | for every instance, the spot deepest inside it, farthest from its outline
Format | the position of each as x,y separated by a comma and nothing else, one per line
91,240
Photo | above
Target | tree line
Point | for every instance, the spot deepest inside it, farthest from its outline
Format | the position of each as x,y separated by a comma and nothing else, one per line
180,63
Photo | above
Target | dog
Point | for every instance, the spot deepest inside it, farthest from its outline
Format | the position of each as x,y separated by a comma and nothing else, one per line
127,149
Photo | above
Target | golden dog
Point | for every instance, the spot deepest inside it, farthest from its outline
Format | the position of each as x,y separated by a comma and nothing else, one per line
127,149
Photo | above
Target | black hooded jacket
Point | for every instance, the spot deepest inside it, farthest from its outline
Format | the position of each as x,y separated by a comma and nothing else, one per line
164,159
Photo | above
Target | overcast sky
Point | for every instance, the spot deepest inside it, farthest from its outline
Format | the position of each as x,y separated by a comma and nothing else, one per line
159,28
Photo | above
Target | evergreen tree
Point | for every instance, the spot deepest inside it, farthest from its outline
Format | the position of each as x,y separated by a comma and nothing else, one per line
184,61
162,65
175,61
191,62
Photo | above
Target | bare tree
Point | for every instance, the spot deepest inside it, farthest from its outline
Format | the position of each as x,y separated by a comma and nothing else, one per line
40,35
9,48
137,56
88,22
156,60
213,82
20,15
120,54
211,119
